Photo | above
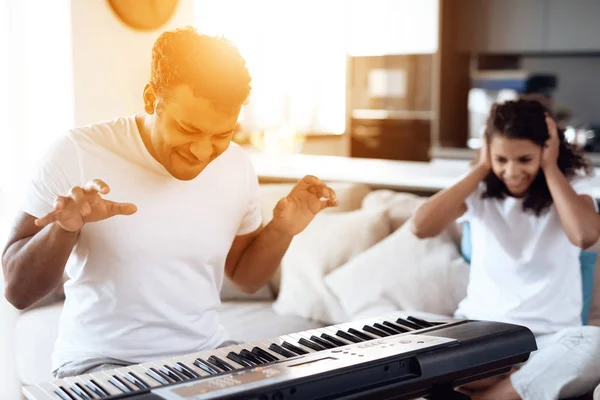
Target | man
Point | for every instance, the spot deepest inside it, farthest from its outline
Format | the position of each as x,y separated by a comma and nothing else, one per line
145,275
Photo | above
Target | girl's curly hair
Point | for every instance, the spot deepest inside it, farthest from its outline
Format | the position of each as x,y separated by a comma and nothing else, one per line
526,119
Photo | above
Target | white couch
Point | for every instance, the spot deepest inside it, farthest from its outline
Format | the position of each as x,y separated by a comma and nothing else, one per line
27,338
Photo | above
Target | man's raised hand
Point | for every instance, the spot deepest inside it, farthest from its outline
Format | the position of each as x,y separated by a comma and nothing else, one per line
82,205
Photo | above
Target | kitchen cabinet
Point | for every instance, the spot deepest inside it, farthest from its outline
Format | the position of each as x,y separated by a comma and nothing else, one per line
501,26
528,26
573,25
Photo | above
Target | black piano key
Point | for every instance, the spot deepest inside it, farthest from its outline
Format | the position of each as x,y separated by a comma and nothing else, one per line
293,349
120,384
281,351
312,345
408,324
384,328
137,381
203,365
251,357
375,331
185,370
360,334
347,336
264,354
322,342
157,376
419,321
240,360
97,388
217,362
333,340
82,391
64,393
395,327
170,372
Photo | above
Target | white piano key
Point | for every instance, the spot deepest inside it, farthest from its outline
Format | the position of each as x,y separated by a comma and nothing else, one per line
38,393
49,388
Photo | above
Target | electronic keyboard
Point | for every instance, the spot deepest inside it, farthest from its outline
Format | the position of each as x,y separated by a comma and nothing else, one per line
392,356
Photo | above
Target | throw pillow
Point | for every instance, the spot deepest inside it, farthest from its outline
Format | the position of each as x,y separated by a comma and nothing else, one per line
350,196
410,273
329,241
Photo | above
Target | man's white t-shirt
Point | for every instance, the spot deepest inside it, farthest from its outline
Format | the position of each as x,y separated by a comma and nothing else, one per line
145,286
524,270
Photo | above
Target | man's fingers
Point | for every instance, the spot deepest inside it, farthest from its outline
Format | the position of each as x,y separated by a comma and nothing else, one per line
60,203
97,185
308,181
115,208
47,219
78,196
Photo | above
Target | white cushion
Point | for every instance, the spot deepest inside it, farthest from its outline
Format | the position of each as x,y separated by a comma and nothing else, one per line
36,331
350,197
251,321
328,242
406,272
400,205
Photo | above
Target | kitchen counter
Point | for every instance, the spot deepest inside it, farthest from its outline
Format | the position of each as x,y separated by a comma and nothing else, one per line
421,177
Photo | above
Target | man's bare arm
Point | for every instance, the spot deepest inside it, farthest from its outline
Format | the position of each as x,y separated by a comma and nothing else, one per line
34,260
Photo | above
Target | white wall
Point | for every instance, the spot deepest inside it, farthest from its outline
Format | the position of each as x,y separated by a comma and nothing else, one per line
111,62
63,63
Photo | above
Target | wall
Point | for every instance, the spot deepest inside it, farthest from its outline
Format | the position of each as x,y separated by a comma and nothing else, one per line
578,83
66,63
111,62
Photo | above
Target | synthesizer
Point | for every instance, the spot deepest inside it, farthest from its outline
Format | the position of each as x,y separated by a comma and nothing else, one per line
392,356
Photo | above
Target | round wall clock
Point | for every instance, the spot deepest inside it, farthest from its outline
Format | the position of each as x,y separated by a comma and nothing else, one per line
143,15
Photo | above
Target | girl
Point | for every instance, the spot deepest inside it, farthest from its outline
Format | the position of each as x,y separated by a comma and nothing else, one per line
531,212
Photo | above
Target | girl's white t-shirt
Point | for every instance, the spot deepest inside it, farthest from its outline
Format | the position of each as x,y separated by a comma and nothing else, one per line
524,269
